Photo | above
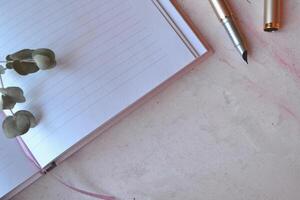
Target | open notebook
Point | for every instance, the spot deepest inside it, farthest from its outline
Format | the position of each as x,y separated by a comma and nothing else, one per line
110,54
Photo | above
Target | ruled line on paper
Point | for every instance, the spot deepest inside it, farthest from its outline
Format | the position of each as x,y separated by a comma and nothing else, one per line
102,76
12,27
124,18
17,15
68,107
62,26
96,18
61,123
39,21
86,74
11,46
113,51
4,160
115,88
12,159
5,165
78,45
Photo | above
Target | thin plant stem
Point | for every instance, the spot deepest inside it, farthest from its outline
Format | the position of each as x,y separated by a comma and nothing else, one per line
1,80
25,60
12,112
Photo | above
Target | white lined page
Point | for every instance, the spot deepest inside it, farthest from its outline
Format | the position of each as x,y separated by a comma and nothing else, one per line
15,167
110,54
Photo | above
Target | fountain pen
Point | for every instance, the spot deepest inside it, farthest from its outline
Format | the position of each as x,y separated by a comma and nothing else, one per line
224,14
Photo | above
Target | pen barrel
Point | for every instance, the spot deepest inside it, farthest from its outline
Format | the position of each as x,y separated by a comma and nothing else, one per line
221,9
234,34
224,14
272,10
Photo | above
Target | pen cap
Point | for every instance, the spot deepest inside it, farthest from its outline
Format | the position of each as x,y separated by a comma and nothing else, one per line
272,9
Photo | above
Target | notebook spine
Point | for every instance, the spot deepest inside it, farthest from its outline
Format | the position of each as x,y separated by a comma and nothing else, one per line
165,11
183,26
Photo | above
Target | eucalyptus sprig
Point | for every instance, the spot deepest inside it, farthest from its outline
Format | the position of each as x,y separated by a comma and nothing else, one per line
24,62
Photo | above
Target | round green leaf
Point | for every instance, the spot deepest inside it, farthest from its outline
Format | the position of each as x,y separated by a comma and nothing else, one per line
9,127
6,102
23,54
18,124
44,58
29,67
15,126
22,123
29,115
15,93
24,68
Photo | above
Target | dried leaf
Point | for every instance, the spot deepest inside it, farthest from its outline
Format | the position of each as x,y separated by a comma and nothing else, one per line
44,58
9,127
15,93
23,54
24,68
9,64
30,67
15,125
7,102
22,123
29,115
8,58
